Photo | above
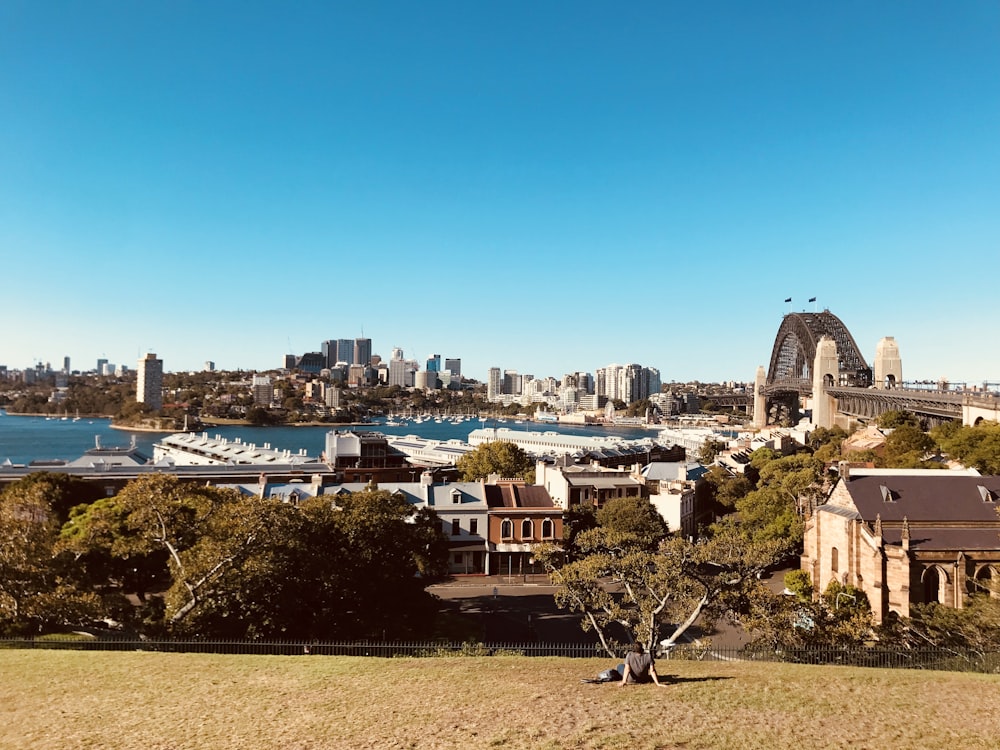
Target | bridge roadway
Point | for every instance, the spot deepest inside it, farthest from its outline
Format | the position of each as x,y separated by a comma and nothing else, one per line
868,403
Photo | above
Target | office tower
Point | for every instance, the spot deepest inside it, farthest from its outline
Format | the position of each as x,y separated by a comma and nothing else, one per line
454,366
345,351
66,365
362,351
290,361
101,363
511,382
494,385
209,365
329,349
397,353
434,363
149,389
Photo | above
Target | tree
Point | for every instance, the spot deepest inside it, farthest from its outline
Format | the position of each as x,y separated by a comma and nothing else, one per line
625,592
727,489
890,420
38,588
787,486
634,516
906,446
234,566
709,450
499,457
977,447
841,616
203,533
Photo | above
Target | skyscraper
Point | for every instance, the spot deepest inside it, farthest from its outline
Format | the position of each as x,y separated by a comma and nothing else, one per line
149,389
362,351
454,366
494,385
345,351
434,363
329,349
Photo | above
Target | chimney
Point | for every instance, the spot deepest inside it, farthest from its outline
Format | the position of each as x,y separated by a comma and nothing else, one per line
426,482
844,469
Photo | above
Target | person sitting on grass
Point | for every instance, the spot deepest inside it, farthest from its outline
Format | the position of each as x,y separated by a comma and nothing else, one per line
639,667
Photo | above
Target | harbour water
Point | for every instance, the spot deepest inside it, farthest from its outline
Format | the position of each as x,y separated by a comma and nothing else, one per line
27,439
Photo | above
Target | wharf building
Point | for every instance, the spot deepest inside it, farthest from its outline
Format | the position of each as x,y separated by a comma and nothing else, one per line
607,450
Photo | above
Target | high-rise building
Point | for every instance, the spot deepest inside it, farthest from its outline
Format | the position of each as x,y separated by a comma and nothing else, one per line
263,390
511,382
66,365
345,351
362,351
101,363
397,371
454,366
149,389
329,349
494,385
434,363
209,365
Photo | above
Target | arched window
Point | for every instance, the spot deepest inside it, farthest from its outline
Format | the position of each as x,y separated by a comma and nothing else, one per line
932,586
834,561
506,529
527,529
983,582
548,529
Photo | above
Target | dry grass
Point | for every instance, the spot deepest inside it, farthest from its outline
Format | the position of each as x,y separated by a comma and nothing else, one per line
66,699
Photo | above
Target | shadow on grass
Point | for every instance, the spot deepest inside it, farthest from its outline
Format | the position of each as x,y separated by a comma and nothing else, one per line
678,680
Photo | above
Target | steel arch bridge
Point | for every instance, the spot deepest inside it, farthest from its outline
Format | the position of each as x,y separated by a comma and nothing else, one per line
789,379
794,352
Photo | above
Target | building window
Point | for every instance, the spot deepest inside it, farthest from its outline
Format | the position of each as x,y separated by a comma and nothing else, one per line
456,496
527,529
834,563
456,528
548,529
506,529
473,526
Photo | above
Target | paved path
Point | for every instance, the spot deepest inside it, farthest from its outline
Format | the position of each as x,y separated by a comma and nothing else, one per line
521,609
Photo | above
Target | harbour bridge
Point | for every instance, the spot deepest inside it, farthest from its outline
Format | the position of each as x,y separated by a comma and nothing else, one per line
816,359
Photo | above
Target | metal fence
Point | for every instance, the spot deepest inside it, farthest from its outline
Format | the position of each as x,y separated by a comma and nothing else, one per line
884,658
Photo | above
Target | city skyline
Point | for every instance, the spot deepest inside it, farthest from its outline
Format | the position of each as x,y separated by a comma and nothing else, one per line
508,184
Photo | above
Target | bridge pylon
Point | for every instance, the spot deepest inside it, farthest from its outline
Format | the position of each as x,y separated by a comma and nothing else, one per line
888,365
759,399
826,373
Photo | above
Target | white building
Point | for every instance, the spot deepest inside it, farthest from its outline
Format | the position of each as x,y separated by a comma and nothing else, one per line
187,449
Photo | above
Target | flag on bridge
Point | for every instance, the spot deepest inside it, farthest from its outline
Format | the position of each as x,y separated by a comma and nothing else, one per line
788,300
812,299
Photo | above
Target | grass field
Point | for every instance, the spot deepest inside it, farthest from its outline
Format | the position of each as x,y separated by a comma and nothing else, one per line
50,700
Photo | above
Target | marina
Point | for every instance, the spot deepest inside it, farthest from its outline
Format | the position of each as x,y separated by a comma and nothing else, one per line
27,439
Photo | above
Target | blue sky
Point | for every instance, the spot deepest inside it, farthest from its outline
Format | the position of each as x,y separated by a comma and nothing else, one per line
540,186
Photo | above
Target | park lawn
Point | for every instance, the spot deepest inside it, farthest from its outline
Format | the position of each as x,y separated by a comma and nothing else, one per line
55,699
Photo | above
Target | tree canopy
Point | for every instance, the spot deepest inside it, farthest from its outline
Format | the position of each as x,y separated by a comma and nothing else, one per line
499,457
977,446
223,564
